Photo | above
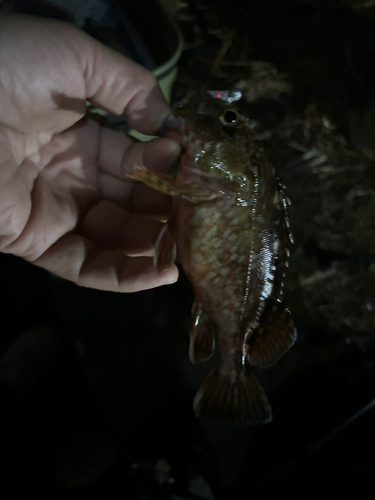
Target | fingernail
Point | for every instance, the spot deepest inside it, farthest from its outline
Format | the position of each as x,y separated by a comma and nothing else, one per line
174,149
170,122
172,158
169,280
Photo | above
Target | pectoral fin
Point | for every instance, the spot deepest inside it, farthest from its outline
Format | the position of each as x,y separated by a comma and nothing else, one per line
202,341
275,334
165,251
167,185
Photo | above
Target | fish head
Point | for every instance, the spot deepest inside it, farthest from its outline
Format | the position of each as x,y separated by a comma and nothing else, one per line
215,139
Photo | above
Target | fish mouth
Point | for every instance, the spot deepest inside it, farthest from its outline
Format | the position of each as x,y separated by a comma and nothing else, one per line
197,171
174,127
190,168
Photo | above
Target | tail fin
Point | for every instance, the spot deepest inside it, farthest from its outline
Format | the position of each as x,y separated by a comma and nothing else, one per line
239,400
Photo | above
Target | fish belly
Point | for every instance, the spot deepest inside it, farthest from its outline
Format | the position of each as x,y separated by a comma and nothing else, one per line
215,260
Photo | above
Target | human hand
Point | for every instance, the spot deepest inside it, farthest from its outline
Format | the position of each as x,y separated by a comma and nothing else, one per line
65,201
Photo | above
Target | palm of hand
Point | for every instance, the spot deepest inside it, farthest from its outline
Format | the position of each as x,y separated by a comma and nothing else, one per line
65,201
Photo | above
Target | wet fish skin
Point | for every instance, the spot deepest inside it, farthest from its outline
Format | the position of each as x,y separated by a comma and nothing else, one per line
230,226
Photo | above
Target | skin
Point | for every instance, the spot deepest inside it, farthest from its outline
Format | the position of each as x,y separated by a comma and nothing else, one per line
66,203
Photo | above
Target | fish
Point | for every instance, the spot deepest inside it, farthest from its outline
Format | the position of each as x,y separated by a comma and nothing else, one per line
230,227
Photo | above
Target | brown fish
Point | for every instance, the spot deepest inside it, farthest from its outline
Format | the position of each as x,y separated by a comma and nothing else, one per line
230,226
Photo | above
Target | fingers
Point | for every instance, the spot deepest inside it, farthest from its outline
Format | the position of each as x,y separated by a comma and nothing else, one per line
135,197
116,84
116,158
96,256
77,259
110,227
67,62
118,153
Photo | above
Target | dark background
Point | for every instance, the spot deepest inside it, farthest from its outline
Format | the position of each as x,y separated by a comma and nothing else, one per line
103,405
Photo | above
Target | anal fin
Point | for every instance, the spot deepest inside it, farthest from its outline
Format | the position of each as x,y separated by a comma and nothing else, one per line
202,341
239,399
275,334
165,251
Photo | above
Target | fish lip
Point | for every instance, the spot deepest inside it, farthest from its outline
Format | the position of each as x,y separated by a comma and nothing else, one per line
195,170
212,177
191,167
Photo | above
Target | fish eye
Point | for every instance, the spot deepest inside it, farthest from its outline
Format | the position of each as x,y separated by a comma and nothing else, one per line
230,118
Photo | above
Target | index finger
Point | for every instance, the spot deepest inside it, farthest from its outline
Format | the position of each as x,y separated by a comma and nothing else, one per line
118,85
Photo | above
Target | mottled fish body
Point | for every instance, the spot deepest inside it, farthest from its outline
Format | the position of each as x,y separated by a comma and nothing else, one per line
231,231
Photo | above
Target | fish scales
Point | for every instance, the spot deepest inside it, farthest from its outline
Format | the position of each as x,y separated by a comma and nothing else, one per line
230,227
